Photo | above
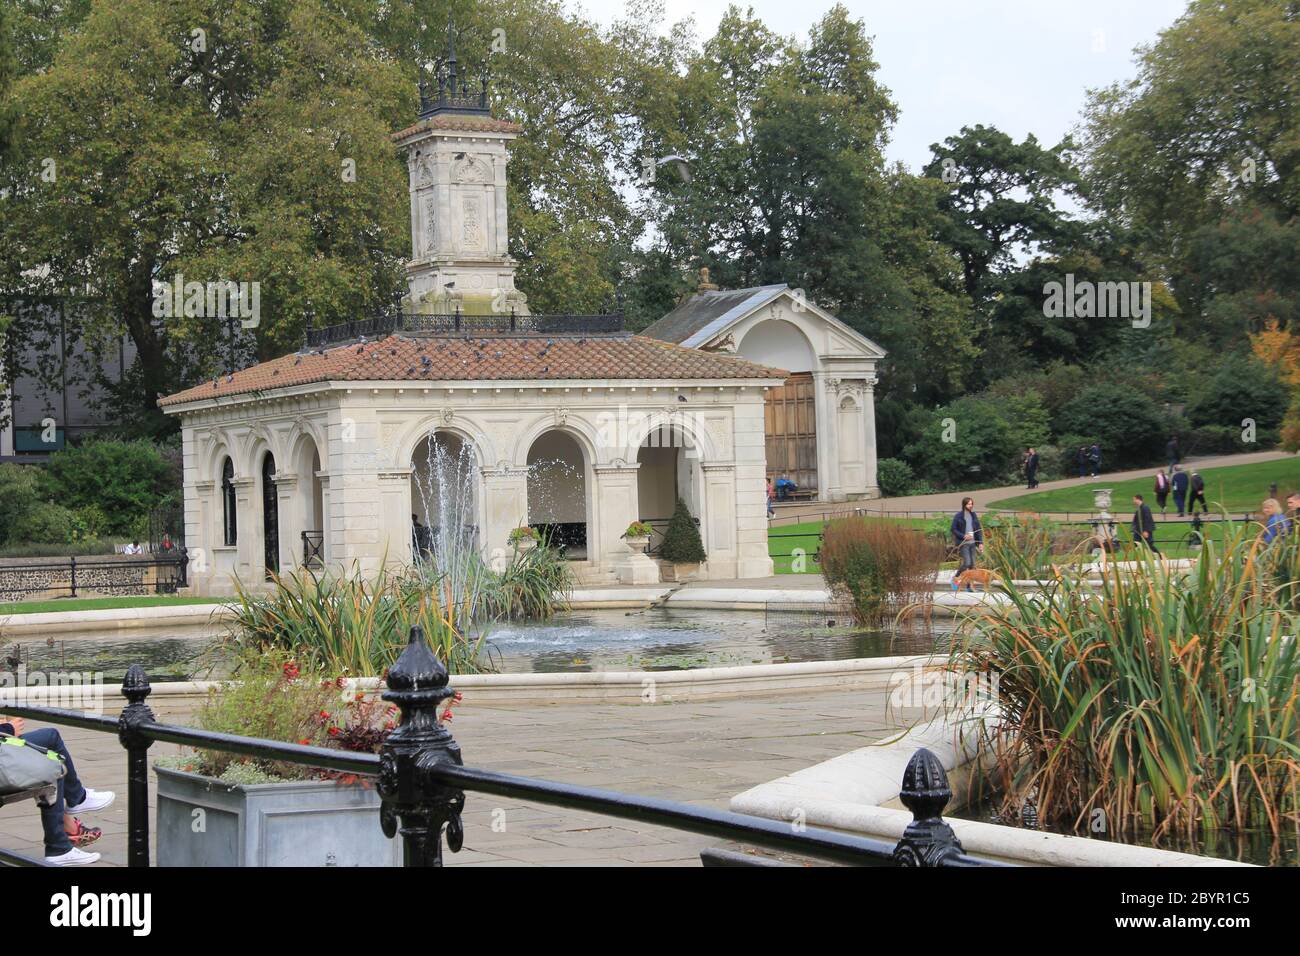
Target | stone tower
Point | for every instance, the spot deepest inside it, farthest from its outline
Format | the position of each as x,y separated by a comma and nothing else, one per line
456,158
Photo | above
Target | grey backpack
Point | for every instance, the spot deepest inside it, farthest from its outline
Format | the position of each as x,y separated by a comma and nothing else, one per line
25,766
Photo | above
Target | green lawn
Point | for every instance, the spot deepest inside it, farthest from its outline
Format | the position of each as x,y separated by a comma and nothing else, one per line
96,604
786,542
1238,488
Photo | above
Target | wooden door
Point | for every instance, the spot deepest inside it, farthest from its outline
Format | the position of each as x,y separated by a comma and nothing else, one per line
790,424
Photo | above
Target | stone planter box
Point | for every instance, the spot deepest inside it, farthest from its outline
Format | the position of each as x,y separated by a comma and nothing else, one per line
302,823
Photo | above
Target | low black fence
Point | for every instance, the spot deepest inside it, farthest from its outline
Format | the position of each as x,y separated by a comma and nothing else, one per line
458,323
422,782
1175,532
162,573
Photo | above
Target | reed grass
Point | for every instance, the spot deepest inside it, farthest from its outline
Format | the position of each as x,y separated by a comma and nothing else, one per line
1167,700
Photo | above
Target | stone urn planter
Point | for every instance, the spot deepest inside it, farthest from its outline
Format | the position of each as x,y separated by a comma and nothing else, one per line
638,543
523,540
202,821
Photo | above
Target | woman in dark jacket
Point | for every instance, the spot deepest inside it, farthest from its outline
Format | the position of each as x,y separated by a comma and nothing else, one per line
967,534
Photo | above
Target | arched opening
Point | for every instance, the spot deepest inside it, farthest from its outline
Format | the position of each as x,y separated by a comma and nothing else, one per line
790,413
311,504
229,512
444,479
669,469
558,505
270,517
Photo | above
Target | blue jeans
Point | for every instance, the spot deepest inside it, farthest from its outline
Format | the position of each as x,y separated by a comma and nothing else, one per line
70,790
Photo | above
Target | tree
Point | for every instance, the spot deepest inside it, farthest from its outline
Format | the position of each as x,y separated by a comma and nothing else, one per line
1128,425
682,543
1242,389
124,479
1209,121
1001,199
154,151
967,441
8,67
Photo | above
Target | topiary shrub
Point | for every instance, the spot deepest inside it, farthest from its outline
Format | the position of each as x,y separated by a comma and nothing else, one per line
894,477
682,543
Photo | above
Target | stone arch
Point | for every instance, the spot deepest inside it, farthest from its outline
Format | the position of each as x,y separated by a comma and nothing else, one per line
701,443
576,425
780,343
410,437
560,487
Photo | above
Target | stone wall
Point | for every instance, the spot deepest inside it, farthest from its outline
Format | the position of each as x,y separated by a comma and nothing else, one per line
35,579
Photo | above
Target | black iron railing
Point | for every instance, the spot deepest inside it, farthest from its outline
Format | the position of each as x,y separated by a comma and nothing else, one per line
422,782
313,549
65,577
461,324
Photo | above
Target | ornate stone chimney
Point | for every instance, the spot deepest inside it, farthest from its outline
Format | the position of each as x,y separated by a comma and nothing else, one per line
456,157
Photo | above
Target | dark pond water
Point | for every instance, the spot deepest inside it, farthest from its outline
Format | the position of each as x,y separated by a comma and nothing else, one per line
599,640
1250,846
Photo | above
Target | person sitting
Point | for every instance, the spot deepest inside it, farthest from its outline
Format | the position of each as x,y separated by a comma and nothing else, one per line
65,835
784,488
133,548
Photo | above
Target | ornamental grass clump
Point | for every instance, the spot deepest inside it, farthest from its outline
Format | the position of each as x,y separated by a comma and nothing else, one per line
1162,700
1024,546
878,564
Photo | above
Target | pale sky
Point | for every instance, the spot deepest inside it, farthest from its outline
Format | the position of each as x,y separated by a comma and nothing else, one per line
1024,66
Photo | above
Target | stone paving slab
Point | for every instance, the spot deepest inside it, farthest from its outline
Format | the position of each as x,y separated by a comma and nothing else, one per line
702,754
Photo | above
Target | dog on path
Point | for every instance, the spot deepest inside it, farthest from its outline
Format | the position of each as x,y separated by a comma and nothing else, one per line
973,576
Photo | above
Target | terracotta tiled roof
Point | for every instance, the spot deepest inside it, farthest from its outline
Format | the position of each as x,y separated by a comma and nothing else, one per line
496,358
467,122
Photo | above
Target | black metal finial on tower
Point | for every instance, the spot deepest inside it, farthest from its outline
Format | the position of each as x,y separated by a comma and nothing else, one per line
455,91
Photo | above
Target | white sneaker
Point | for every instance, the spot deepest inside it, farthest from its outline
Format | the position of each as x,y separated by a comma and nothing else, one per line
94,800
73,857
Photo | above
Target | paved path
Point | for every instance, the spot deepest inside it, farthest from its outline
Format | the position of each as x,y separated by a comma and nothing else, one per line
701,753
950,501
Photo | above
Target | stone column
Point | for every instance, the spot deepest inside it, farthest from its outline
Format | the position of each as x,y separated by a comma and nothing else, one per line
869,434
503,507
248,518
290,514
719,495
829,485
752,558
615,503
395,515
201,534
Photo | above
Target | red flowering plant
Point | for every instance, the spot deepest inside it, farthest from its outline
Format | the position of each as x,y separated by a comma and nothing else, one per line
270,697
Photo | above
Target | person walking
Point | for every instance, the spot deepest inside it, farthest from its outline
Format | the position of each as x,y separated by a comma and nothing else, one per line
1276,524
1173,454
1293,509
967,535
1198,493
1081,459
1144,524
1179,482
770,492
1162,489
1094,459
1031,468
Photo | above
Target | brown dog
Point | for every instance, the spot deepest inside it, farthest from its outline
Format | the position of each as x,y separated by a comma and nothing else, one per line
973,576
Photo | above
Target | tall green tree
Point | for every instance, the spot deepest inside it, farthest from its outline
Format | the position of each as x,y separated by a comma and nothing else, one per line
1211,120
8,67
1002,200
163,140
